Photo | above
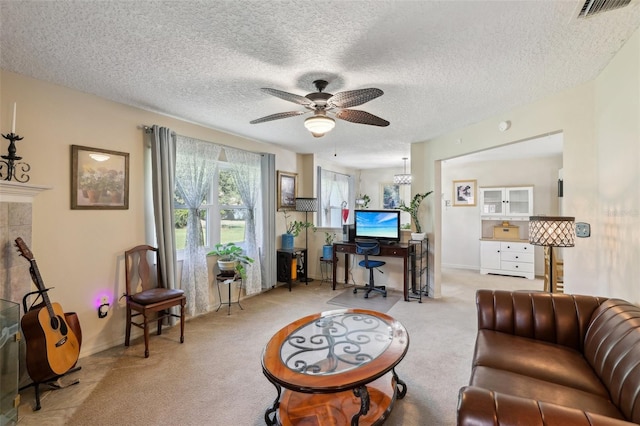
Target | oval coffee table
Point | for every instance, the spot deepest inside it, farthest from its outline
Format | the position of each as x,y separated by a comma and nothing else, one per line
333,367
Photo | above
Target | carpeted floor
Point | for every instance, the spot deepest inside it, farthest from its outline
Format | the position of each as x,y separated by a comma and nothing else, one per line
375,301
215,377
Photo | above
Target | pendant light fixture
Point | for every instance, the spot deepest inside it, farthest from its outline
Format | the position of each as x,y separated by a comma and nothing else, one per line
404,178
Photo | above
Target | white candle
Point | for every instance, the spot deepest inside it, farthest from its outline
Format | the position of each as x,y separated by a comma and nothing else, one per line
13,123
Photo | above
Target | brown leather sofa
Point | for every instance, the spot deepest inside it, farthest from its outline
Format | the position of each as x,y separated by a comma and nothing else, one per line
553,359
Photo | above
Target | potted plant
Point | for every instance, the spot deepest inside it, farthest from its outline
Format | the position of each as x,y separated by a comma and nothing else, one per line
362,201
231,258
327,248
293,229
412,209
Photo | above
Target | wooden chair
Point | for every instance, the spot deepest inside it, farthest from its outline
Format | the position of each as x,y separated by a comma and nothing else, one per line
147,295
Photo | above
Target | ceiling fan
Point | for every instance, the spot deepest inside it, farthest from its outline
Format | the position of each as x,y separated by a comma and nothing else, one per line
321,103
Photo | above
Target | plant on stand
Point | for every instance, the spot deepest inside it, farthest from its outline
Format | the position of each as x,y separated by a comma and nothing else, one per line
327,248
362,201
293,229
413,209
231,259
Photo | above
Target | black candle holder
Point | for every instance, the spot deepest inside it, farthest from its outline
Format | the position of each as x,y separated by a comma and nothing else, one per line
12,162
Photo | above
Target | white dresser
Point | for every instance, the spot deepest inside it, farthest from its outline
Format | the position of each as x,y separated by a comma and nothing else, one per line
507,257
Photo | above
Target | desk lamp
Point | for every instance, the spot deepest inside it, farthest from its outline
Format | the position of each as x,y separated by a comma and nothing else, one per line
306,205
552,231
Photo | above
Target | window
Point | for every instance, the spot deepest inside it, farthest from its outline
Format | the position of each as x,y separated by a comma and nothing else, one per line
222,217
335,193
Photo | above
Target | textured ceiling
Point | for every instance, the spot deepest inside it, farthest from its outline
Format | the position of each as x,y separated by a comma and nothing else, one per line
442,65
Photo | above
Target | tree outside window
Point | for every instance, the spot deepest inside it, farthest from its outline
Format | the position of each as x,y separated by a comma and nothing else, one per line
223,218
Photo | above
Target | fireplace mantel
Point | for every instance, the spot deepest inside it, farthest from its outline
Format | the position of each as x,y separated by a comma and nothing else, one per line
16,192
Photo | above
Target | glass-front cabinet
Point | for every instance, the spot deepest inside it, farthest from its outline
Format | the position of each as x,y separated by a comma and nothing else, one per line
9,371
506,201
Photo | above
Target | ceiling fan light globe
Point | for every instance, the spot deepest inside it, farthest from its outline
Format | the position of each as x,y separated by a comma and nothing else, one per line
319,124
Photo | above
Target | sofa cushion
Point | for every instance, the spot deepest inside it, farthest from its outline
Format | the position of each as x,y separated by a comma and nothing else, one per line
540,360
509,383
612,347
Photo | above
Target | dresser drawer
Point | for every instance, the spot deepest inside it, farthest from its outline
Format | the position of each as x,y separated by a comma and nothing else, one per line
511,256
344,249
516,247
516,266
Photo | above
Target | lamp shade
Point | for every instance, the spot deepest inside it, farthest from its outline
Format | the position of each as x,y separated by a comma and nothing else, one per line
319,124
552,231
307,204
403,178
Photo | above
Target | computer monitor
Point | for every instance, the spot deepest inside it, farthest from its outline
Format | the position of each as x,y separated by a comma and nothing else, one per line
383,225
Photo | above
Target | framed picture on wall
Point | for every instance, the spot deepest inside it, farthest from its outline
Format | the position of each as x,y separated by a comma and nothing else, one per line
390,195
464,193
99,179
287,190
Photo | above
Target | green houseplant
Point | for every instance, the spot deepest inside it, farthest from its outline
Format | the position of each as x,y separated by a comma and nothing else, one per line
413,209
293,229
327,248
231,257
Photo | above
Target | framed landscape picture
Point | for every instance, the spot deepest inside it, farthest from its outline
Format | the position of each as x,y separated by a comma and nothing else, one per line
464,193
390,195
99,179
287,190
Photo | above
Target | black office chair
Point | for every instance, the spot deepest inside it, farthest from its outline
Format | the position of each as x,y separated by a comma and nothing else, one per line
369,247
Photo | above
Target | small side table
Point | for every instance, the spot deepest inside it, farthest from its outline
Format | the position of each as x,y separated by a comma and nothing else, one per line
229,280
326,269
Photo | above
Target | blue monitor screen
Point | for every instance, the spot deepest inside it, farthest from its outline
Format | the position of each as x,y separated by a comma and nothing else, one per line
379,224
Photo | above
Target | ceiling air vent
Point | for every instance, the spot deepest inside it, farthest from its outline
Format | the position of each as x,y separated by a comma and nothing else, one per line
591,7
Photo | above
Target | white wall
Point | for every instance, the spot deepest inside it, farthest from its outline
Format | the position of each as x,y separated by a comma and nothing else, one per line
461,226
600,122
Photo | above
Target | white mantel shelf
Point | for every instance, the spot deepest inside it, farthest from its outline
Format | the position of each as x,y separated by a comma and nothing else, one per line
16,192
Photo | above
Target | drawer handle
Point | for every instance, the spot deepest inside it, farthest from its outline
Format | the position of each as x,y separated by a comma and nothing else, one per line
516,257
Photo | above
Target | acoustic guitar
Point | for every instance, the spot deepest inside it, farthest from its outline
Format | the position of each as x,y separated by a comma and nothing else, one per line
52,346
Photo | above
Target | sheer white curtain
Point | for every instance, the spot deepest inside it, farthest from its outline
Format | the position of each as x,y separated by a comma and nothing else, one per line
245,169
334,189
196,163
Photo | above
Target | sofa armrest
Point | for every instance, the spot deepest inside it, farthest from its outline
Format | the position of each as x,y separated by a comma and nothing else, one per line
552,317
480,407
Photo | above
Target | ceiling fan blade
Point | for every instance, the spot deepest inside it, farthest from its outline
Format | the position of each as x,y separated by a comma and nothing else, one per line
361,117
353,98
277,116
297,99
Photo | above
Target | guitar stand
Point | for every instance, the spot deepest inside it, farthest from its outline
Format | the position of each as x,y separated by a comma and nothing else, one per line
53,383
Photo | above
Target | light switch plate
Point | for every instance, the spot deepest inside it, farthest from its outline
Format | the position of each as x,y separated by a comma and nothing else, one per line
583,230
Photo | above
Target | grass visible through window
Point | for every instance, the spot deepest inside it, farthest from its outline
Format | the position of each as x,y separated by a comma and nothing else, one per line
230,231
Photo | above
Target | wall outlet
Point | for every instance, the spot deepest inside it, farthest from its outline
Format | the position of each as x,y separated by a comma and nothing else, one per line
583,230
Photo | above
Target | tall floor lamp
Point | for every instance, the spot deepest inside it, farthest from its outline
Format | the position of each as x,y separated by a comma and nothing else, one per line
306,205
552,231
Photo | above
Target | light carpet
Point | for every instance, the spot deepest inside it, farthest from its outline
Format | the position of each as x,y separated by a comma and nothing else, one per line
375,301
215,377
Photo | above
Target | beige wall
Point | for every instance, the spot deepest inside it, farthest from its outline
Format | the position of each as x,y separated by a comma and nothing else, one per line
461,226
599,120
80,252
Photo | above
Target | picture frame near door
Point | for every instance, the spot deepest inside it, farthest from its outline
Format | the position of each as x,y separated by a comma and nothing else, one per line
464,193
287,190
390,195
99,179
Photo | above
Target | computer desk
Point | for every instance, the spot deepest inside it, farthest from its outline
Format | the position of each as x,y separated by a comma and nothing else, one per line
406,251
